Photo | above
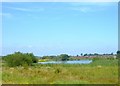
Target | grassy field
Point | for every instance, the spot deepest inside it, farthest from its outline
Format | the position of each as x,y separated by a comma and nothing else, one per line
102,71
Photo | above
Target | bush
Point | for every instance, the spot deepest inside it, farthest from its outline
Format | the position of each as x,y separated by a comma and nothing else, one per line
34,59
64,57
118,54
19,59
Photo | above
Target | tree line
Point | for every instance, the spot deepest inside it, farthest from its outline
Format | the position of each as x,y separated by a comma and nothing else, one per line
27,59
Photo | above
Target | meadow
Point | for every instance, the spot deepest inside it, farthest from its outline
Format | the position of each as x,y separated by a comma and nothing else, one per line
100,71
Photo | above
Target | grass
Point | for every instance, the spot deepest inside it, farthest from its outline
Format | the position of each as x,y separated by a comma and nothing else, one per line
102,71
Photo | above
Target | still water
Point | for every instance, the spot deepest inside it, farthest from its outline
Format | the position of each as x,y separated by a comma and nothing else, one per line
68,62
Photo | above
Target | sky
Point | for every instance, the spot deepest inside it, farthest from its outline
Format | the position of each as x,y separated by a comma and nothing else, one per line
53,28
60,0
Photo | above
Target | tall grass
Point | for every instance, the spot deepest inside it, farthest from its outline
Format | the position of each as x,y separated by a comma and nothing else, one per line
102,71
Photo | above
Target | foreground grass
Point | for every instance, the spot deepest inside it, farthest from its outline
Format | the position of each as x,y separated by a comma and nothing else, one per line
103,71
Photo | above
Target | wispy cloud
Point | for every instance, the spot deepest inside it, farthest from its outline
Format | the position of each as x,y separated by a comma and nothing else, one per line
82,9
20,9
91,3
26,9
89,7
8,15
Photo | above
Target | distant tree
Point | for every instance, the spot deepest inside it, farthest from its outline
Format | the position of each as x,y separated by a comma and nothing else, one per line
104,54
81,54
118,54
90,54
85,54
64,57
77,55
111,54
45,57
96,54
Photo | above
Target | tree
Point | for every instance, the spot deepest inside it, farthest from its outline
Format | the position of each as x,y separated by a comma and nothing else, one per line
85,54
46,57
64,57
34,59
96,54
111,54
118,54
90,54
81,54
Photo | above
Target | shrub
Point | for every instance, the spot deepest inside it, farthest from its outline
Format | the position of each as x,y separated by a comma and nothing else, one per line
118,54
57,71
34,59
19,59
64,57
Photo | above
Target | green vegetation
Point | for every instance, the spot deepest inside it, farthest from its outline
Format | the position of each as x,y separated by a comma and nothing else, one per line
118,54
64,57
22,68
20,59
100,71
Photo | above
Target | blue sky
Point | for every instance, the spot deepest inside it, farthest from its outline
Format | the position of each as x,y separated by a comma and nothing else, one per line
49,28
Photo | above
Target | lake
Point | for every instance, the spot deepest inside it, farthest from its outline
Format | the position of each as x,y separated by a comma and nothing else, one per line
68,62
